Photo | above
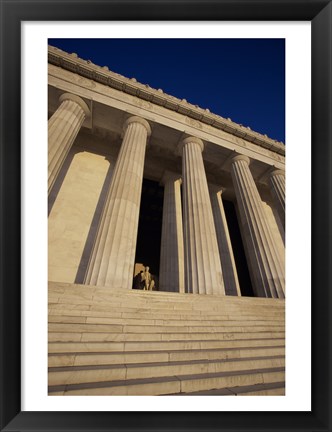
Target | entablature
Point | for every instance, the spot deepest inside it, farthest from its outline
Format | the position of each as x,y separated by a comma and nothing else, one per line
101,75
110,109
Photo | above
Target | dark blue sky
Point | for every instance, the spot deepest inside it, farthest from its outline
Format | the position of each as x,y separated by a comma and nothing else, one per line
243,79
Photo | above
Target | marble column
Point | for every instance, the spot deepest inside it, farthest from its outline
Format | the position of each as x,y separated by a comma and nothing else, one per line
63,128
203,273
112,260
277,183
267,271
171,273
231,281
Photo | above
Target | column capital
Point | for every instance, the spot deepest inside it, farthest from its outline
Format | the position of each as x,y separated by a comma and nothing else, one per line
170,176
140,120
78,100
275,172
189,140
240,157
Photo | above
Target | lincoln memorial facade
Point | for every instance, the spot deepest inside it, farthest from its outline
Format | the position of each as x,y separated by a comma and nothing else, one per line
138,178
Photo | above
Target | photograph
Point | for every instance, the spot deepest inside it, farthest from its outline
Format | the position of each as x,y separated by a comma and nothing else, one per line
166,224
145,246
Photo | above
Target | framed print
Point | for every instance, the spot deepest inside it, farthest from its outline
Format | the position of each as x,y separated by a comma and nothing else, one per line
119,361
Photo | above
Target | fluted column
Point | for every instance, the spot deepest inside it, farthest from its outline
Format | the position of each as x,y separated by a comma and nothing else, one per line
202,263
231,281
63,128
112,260
268,272
171,273
277,182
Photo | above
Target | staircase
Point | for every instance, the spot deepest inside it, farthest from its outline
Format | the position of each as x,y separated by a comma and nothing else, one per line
128,342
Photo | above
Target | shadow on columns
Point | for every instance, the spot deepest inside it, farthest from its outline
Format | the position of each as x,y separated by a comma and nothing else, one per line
59,180
88,247
279,223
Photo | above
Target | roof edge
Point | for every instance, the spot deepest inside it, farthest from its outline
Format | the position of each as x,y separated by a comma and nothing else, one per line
103,75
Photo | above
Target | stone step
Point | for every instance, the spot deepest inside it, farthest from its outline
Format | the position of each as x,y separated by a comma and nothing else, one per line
104,341
155,337
268,392
165,313
109,328
169,317
130,357
58,288
88,347
270,389
163,305
77,374
172,385
67,319
80,292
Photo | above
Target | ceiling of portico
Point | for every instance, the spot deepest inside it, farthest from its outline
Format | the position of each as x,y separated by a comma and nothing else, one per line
106,123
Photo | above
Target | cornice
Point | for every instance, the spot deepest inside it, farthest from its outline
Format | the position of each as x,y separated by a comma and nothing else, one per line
104,76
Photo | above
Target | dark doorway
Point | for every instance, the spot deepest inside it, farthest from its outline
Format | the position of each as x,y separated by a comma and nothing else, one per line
149,226
238,250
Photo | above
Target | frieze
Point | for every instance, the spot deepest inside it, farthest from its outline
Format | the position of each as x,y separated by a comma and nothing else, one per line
86,82
142,103
194,123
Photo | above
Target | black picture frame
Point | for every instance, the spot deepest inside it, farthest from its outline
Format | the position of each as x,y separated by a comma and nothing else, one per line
12,13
